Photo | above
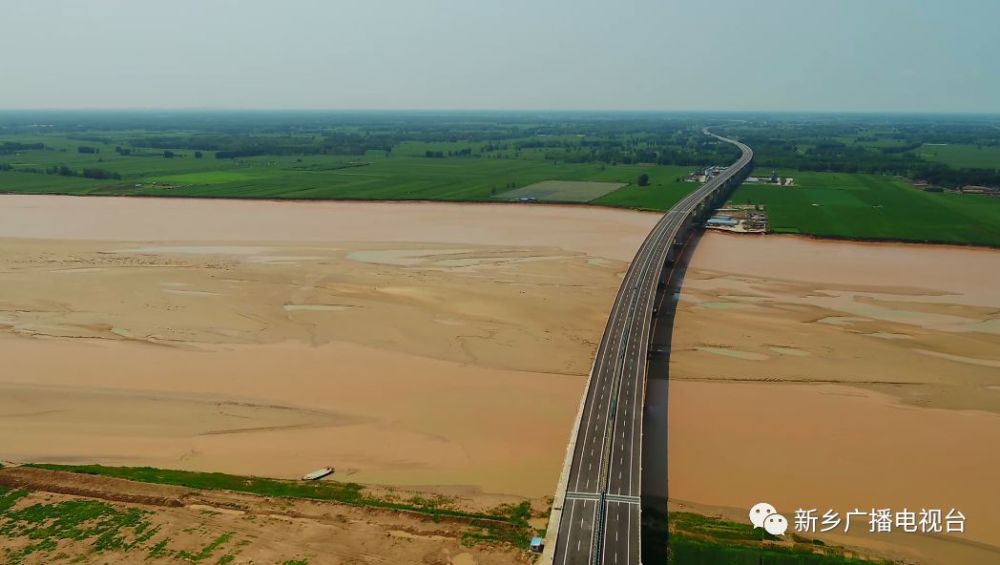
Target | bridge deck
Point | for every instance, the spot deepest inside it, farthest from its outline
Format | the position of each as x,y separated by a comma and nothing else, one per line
599,517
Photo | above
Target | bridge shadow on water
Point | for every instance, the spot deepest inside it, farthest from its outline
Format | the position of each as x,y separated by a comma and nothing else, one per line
655,487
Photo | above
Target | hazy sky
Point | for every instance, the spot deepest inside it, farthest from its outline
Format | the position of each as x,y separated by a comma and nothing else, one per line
853,55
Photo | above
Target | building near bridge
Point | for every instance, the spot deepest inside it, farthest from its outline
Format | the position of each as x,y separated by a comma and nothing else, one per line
976,189
720,221
740,218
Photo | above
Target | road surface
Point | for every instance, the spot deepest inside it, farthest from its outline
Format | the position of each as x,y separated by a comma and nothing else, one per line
600,521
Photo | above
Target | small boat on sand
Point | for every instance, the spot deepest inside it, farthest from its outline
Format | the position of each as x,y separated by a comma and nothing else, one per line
318,474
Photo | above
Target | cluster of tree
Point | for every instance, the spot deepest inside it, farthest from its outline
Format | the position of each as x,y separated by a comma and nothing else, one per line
11,147
822,155
838,157
6,167
229,146
901,148
613,154
101,174
356,134
87,150
870,144
942,175
277,149
89,137
610,138
467,152
90,173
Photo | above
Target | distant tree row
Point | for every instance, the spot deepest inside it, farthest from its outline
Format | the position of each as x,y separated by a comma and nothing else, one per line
467,152
687,155
11,147
90,173
838,157
234,146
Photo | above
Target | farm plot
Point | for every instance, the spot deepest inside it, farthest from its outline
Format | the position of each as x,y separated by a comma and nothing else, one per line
561,191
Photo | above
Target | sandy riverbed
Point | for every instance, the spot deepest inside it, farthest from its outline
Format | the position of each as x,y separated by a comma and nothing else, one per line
835,375
444,346
433,345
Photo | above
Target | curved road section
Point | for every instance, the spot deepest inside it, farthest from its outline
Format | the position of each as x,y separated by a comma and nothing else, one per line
596,514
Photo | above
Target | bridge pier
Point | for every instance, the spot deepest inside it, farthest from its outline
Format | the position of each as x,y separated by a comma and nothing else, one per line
655,451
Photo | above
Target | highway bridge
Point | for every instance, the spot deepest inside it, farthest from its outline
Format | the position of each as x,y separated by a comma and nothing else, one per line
596,515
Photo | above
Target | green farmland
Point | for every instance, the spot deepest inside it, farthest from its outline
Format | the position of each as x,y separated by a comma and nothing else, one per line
665,188
962,156
874,207
404,174
501,157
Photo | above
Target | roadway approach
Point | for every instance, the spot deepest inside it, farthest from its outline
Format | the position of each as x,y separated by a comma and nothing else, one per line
596,514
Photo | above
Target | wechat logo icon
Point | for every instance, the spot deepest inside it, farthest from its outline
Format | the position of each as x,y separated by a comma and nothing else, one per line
763,515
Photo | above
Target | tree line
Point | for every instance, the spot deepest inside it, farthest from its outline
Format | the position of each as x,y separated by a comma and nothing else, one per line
842,158
11,147
87,172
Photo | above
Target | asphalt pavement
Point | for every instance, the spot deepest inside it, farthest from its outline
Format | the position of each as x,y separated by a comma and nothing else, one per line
601,511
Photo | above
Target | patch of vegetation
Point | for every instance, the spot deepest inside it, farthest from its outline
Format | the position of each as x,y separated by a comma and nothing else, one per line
915,147
160,549
696,539
98,524
93,525
458,157
874,207
9,497
516,531
206,551
962,156
503,524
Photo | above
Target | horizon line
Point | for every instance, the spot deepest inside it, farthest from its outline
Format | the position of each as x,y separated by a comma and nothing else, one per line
505,111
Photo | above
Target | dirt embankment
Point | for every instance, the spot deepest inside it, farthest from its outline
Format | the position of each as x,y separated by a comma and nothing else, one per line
226,526
104,488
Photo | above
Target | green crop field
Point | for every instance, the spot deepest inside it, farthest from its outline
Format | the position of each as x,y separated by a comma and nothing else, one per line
469,158
962,156
404,174
561,191
863,206
666,187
